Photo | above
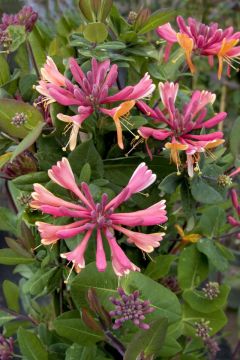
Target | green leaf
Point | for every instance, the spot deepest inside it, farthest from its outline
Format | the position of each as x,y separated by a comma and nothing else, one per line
38,40
40,280
9,257
170,69
30,345
30,139
76,331
203,192
214,255
171,345
25,182
170,183
211,221
9,108
198,301
5,72
86,153
18,36
86,9
11,295
234,138
8,221
159,267
119,171
163,300
4,159
85,173
5,317
192,267
26,86
104,10
156,19
148,342
95,32
77,352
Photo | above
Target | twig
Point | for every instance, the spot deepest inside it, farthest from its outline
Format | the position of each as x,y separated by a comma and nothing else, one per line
30,51
19,316
236,351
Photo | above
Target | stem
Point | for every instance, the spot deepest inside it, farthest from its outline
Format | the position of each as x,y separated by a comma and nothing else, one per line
111,339
222,104
10,199
236,351
19,316
30,51
114,342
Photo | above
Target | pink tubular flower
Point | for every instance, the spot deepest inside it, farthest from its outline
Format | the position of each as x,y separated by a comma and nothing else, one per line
90,93
200,39
180,127
235,221
90,216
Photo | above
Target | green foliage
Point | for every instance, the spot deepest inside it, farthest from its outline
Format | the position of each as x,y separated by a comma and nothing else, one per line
31,346
148,343
60,311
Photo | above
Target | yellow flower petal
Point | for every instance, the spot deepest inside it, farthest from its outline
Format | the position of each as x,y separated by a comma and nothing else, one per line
187,44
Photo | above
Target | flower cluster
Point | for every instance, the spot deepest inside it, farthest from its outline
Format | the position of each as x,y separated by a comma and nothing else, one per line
203,40
26,17
202,329
6,348
211,290
181,127
90,93
101,217
130,307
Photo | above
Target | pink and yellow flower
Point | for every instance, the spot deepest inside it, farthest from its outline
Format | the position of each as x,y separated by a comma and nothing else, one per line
90,92
181,127
204,40
99,220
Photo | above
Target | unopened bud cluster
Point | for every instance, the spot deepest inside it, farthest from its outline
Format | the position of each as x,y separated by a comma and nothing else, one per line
212,346
24,199
132,17
26,17
171,283
6,348
211,290
224,181
19,119
202,329
130,307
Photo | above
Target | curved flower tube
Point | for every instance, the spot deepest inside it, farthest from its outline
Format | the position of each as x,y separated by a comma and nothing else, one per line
101,217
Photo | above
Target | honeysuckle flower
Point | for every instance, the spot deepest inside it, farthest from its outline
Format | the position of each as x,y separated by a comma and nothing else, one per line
90,92
101,217
181,126
204,40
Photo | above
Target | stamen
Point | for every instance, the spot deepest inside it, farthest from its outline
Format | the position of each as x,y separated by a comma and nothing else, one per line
138,141
144,194
68,277
37,247
127,127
